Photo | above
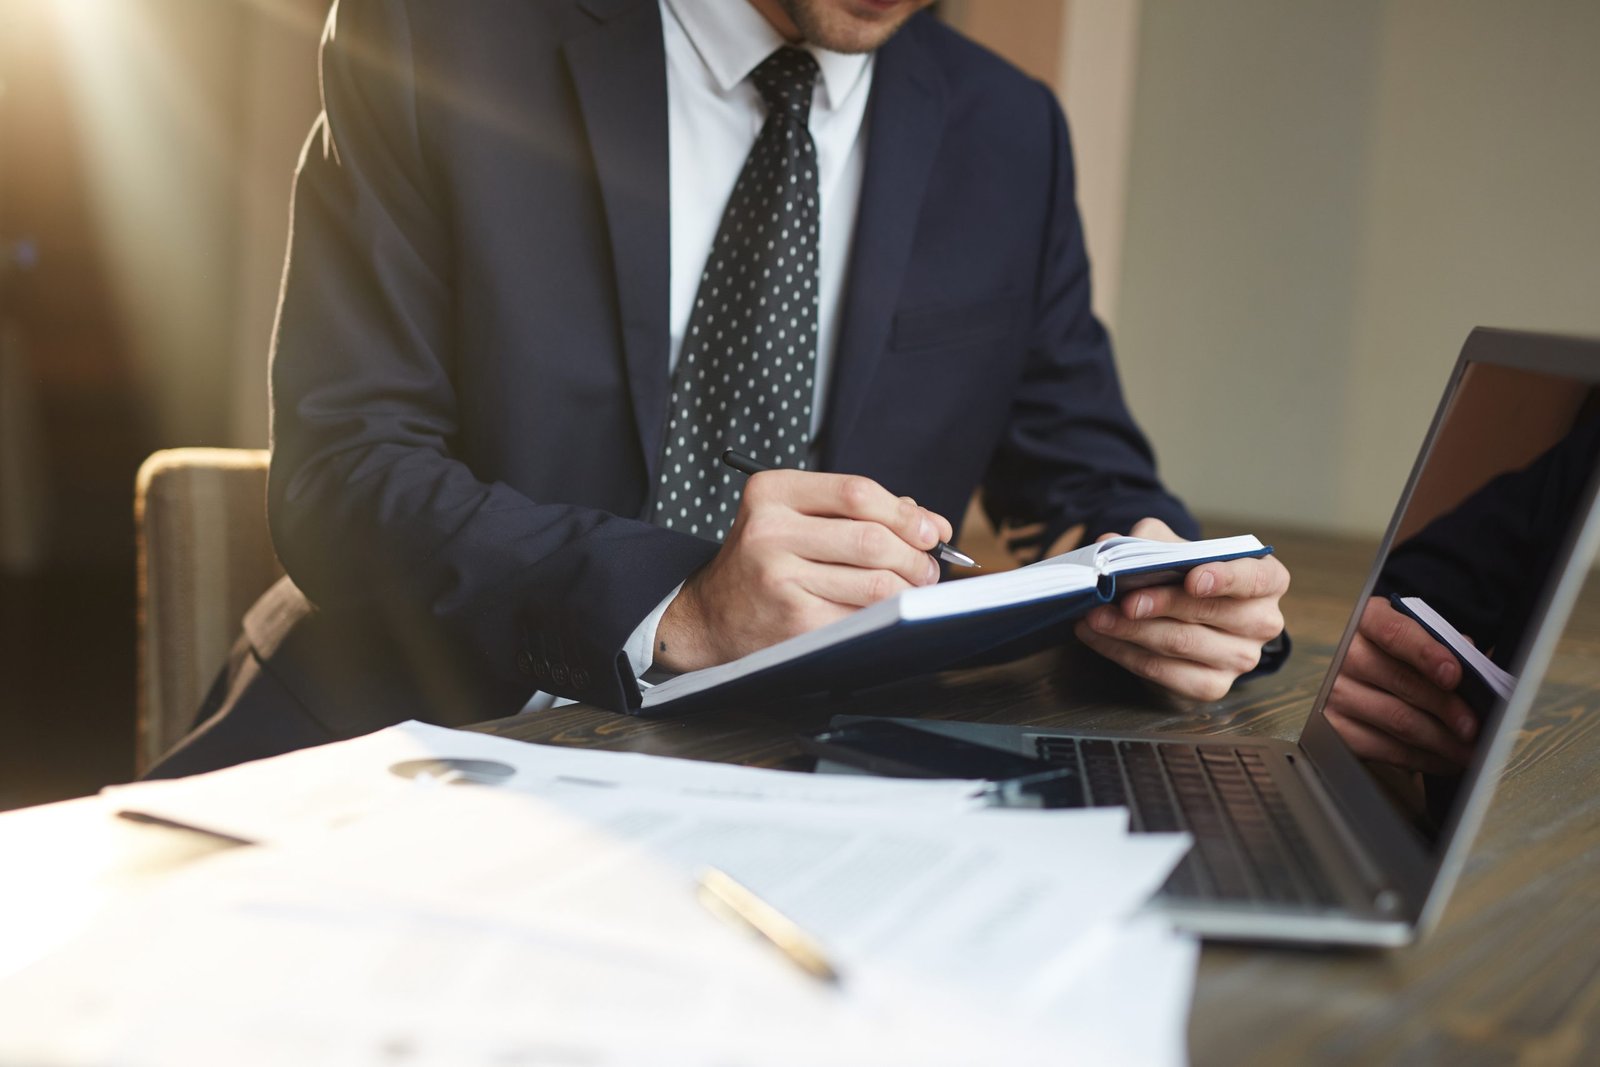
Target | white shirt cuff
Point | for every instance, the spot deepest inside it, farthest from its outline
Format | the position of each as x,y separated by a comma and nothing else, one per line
640,648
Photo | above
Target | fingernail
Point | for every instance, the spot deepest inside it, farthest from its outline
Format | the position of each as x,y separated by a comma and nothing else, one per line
1466,726
1207,582
1141,606
1445,674
933,570
1101,619
926,532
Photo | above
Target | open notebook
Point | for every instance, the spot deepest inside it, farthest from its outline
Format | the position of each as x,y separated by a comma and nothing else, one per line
935,627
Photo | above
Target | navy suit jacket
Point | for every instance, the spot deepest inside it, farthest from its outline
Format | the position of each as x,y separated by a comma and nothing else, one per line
470,372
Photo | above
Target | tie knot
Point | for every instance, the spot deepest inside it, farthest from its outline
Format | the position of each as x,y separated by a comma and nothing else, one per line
786,79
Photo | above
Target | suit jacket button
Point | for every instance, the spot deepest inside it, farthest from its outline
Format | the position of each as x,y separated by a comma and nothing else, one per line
580,678
525,662
559,674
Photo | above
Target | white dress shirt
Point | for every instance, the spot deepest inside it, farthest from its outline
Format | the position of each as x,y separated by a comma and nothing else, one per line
714,114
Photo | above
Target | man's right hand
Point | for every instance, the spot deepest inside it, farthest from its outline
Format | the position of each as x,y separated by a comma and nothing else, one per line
1394,701
805,550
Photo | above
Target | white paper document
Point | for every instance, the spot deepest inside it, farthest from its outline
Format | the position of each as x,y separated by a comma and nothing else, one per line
977,907
272,799
483,926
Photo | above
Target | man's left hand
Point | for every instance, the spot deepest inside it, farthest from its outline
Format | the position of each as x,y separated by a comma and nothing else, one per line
1195,639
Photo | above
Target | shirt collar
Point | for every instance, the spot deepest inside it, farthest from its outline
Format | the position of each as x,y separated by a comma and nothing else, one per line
732,38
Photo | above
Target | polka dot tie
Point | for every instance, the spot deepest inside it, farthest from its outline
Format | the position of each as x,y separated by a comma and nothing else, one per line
746,371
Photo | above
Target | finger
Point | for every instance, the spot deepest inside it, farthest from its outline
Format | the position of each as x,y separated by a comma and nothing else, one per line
1388,714
1180,640
849,496
1242,579
1182,677
1379,747
1405,640
848,587
854,544
1153,529
1259,619
942,525
1367,663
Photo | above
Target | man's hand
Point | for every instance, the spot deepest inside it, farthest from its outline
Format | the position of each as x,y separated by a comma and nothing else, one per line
1194,639
1394,701
805,549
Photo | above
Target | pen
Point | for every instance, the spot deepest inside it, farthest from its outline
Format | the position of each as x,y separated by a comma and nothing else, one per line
728,900
745,465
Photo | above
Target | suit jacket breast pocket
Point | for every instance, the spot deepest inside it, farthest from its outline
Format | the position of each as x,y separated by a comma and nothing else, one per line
955,325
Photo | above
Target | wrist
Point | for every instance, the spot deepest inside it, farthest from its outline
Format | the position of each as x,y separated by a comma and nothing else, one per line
682,640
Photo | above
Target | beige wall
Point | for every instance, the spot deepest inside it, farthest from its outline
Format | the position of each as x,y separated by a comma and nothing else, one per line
1481,204
151,86
1323,199
192,113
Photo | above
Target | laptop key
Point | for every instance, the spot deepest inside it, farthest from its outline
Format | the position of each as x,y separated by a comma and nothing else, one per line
1247,844
1157,810
1102,773
1312,878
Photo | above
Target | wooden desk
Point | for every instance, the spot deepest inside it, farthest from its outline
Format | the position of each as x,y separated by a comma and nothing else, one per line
1512,973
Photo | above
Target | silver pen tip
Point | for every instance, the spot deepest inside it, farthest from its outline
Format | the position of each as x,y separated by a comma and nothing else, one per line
960,559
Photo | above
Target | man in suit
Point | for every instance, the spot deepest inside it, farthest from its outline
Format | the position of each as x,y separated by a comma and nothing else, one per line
548,257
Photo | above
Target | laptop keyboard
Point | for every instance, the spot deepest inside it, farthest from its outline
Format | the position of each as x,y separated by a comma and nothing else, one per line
1248,846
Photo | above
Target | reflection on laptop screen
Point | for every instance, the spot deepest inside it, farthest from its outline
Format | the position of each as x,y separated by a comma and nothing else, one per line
1458,597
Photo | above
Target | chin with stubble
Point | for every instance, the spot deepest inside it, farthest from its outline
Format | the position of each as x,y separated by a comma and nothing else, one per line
839,25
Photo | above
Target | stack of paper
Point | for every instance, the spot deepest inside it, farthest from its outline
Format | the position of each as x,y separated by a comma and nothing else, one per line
396,918
274,799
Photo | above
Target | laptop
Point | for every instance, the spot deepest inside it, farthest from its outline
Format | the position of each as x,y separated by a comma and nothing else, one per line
1357,833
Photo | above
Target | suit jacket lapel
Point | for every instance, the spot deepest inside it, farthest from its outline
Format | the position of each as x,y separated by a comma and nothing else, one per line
620,73
905,121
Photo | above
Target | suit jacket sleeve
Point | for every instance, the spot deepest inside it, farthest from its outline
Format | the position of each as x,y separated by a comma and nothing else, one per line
1071,452
371,512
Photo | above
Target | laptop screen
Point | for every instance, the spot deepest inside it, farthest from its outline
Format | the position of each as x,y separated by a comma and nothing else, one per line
1432,656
